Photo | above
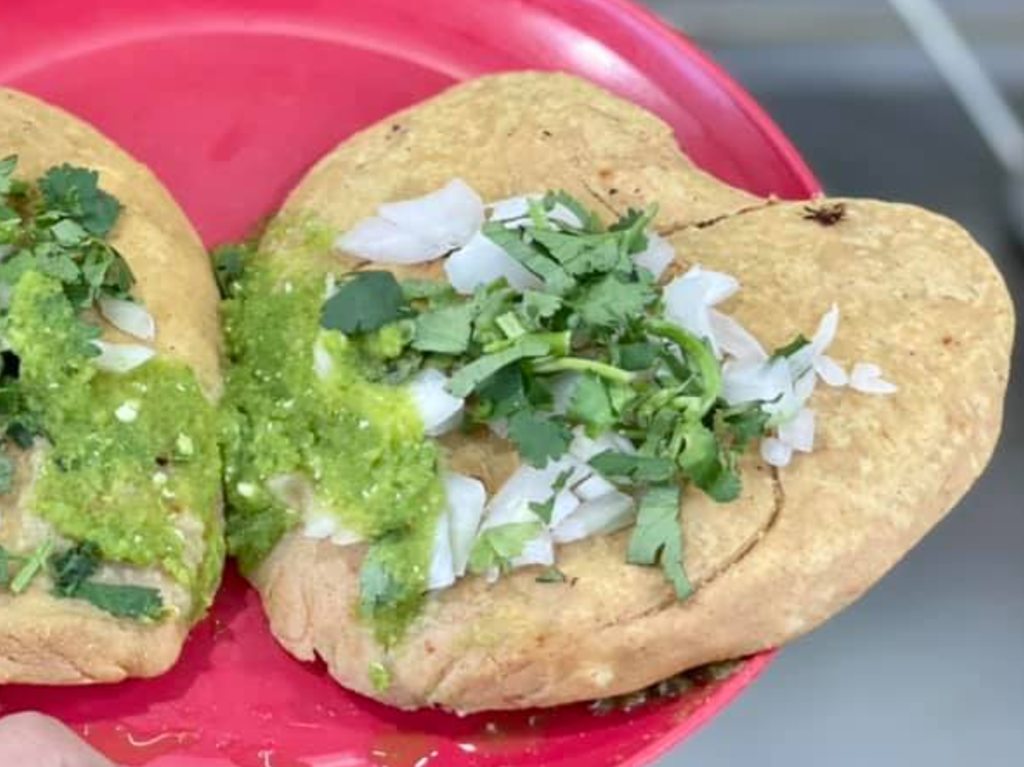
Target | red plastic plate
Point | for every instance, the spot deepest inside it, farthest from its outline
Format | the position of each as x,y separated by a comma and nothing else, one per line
229,101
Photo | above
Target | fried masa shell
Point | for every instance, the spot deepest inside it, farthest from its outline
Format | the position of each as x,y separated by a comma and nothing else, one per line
60,641
918,296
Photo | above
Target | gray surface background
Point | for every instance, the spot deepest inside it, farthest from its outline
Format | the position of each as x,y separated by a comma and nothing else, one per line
926,669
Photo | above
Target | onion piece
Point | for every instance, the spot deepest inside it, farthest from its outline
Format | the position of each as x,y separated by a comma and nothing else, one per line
381,241
866,377
775,452
441,573
446,218
830,371
604,514
466,498
121,358
481,261
128,317
688,300
798,432
566,502
734,339
657,256
593,487
514,212
439,410
754,381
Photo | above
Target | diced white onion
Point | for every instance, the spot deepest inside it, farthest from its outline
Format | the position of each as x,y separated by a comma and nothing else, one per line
529,485
437,408
754,381
826,332
466,498
775,452
734,339
566,502
514,212
539,550
830,371
481,261
798,432
657,256
593,487
604,514
867,378
121,358
417,230
381,241
689,298
441,573
446,218
128,317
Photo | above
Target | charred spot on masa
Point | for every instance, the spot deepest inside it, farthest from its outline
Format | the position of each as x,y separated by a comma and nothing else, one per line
828,214
429,648
605,174
395,127
948,340
546,133
613,191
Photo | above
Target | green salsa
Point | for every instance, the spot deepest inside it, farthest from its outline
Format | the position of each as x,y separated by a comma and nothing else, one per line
301,405
128,454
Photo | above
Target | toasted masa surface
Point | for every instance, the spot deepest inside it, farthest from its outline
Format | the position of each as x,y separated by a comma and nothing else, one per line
43,639
917,296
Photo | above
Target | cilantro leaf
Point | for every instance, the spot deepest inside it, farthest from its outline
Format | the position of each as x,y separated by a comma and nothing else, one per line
640,355
75,191
702,461
555,278
611,300
538,438
497,546
364,302
657,537
590,222
123,600
537,306
475,373
71,571
445,331
73,567
502,394
433,291
591,405
579,254
634,467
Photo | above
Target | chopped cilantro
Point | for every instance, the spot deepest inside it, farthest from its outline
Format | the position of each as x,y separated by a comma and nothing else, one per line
538,438
634,467
364,302
658,538
497,546
76,193
445,331
71,571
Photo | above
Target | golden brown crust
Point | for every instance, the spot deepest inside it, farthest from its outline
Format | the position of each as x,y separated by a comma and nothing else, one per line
917,296
43,639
